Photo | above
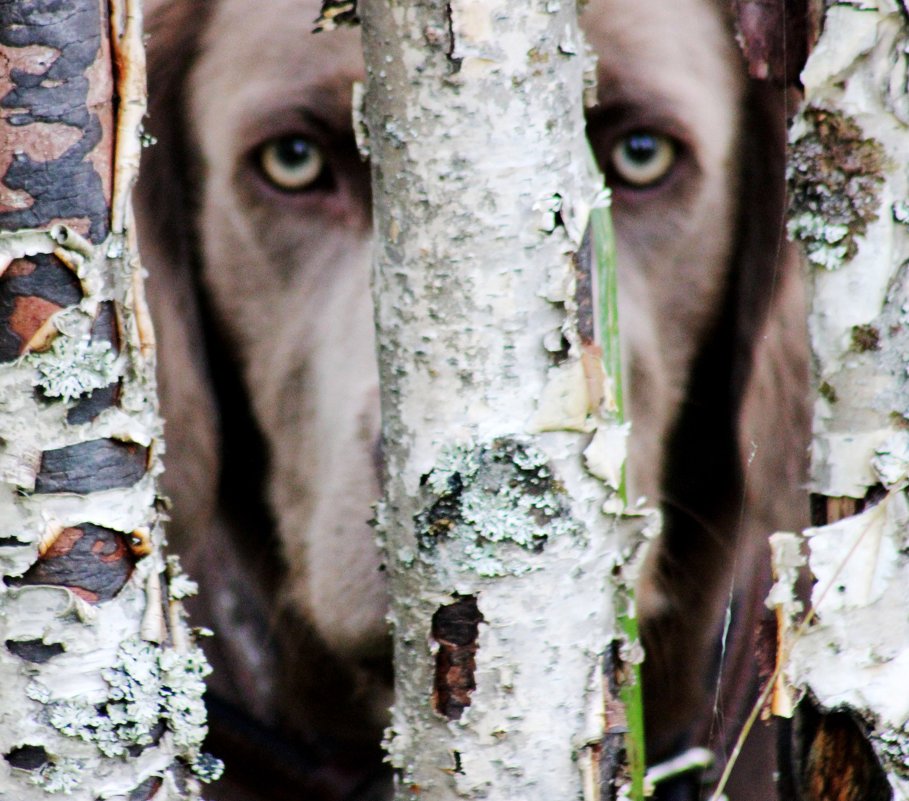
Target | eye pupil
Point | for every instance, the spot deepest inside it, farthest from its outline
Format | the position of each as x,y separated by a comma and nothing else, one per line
640,148
642,159
291,163
292,150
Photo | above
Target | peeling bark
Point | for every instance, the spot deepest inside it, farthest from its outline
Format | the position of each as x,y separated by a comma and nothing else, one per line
501,557
102,683
850,210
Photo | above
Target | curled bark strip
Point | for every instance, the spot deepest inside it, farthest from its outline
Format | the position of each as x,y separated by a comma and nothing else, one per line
92,561
129,56
27,757
335,13
36,651
585,289
91,466
70,99
455,628
31,291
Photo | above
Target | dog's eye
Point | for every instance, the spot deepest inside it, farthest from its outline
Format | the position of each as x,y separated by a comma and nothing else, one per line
291,163
642,159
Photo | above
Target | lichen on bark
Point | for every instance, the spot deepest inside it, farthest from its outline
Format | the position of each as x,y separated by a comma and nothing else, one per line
493,506
483,184
835,175
102,682
847,175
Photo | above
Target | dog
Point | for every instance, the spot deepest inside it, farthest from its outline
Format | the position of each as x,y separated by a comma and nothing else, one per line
254,221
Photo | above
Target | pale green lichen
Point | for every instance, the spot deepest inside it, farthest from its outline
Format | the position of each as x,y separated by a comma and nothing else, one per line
824,242
498,503
74,366
893,748
61,776
147,687
179,585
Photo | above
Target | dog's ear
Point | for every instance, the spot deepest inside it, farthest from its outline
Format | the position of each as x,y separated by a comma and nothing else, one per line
737,457
164,209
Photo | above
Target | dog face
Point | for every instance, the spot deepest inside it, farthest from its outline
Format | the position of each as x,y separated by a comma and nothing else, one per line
255,218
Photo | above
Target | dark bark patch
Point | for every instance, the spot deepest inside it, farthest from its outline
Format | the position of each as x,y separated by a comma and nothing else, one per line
865,338
35,651
29,295
101,464
27,757
838,762
67,186
93,562
455,628
29,314
156,733
611,756
147,790
88,408
105,328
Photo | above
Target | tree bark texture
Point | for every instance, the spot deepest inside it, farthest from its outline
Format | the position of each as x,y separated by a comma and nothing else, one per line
101,680
499,552
850,210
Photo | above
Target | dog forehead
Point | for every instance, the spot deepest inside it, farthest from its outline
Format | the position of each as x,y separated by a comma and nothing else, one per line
256,57
681,54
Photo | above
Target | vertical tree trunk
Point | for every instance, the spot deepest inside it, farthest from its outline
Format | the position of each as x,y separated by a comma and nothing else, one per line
850,210
498,548
101,681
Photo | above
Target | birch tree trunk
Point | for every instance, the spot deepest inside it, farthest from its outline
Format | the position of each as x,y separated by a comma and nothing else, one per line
101,680
850,209
497,544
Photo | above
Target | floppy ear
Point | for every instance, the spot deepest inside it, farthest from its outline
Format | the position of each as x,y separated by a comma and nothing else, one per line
770,390
774,421
164,211
735,467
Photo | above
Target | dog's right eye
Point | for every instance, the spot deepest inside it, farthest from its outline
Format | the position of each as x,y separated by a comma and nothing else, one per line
291,163
642,159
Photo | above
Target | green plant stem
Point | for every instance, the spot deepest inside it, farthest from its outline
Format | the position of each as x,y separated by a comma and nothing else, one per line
607,335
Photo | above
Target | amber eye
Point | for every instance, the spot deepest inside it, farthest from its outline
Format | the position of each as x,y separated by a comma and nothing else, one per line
291,163
642,159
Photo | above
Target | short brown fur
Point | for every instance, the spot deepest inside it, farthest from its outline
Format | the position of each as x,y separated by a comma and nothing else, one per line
263,316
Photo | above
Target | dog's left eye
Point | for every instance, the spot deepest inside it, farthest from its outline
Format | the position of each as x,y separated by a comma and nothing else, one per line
642,159
291,163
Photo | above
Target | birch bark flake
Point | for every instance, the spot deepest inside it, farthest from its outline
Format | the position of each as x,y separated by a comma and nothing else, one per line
102,681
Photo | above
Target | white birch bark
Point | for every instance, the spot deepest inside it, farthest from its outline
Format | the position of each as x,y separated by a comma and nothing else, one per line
497,545
848,174
101,682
